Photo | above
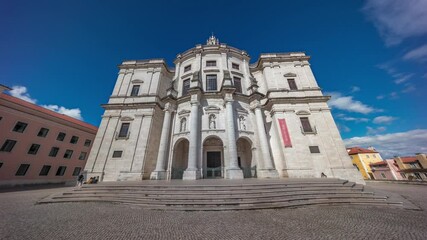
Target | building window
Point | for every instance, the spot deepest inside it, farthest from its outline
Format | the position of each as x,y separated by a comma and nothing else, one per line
87,143
124,129
34,149
53,151
367,156
210,63
314,149
82,156
43,132
20,127
61,136
1,164
211,83
373,155
292,84
45,170
306,126
187,68
7,145
135,91
413,165
238,84
185,87
68,153
403,175
76,171
22,170
74,139
383,175
418,176
117,154
235,66
61,170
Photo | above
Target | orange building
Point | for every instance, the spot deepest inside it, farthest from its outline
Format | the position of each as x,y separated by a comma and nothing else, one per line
362,158
40,146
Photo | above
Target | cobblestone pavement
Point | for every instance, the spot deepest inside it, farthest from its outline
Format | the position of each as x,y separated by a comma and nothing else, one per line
20,218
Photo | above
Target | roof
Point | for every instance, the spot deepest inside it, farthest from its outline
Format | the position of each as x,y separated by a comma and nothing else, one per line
410,159
379,163
357,150
47,111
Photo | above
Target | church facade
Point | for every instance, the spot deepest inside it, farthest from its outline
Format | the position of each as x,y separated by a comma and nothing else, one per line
216,116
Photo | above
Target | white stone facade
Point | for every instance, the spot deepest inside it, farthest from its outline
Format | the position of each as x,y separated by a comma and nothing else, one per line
176,124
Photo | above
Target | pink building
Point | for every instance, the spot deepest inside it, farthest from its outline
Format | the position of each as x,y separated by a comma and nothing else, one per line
381,171
40,146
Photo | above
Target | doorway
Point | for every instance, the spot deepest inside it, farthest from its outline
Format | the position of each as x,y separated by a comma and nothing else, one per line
213,164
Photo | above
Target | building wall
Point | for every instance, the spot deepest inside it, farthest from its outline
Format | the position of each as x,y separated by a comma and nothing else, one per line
13,110
362,161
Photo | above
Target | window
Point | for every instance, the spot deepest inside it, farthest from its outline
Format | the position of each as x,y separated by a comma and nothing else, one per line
187,68
82,156
68,153
135,90
292,84
211,84
367,156
43,132
22,170
61,170
210,63
314,149
235,66
45,170
76,171
20,127
185,86
61,136
1,164
53,151
124,129
383,175
403,175
117,154
238,84
34,149
373,155
87,143
8,145
414,165
74,139
306,126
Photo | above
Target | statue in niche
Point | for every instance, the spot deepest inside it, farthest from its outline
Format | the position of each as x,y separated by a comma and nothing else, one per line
242,123
212,121
183,126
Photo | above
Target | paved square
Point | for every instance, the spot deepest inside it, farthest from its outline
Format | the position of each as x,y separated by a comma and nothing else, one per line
22,219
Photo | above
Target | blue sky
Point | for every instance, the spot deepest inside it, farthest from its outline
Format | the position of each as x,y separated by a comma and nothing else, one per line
370,56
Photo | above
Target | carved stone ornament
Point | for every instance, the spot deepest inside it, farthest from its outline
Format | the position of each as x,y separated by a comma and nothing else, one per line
184,112
290,75
126,118
137,81
212,109
303,112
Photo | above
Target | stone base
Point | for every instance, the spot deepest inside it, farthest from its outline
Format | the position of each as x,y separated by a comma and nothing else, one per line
191,175
350,174
267,173
233,174
129,176
158,175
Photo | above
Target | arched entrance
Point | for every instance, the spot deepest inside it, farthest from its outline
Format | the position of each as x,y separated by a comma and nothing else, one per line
244,157
180,159
213,156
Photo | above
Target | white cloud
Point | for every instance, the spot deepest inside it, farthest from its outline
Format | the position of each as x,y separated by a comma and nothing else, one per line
403,78
348,104
394,95
21,92
355,89
394,144
397,20
408,88
343,128
380,97
74,112
353,119
384,119
373,131
419,53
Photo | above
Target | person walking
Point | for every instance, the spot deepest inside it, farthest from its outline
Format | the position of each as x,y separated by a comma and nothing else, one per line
80,180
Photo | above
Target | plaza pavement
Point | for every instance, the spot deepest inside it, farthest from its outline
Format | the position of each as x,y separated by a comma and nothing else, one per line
21,218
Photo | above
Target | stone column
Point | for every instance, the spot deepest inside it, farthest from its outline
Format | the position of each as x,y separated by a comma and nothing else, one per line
232,171
192,172
269,171
160,172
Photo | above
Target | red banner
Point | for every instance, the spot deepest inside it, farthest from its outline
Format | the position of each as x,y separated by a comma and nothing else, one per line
285,133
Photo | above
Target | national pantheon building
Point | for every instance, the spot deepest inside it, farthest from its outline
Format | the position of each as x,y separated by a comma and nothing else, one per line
215,115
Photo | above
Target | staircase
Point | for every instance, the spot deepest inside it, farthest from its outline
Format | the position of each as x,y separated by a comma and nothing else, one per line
219,195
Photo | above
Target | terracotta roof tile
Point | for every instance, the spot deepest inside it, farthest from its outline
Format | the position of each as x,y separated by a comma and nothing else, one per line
356,150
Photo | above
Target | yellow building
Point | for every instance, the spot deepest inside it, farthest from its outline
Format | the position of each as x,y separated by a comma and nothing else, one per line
362,158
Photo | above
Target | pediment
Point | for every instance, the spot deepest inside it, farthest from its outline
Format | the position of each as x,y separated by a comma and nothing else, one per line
289,74
126,118
302,112
183,112
137,81
242,110
212,108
